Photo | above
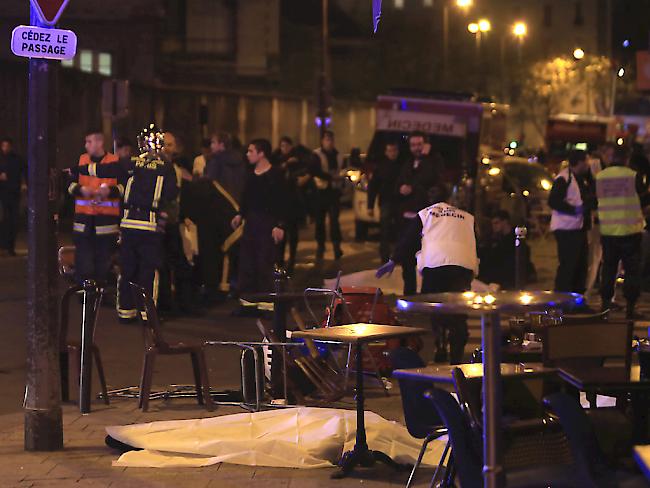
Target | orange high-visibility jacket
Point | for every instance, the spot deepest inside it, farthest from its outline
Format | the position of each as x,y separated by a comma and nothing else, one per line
110,206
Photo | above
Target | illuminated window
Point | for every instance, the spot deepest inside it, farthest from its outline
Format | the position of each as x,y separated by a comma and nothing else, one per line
86,61
67,63
399,4
427,3
105,64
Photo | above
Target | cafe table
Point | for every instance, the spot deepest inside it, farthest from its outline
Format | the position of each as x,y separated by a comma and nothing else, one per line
606,380
489,306
442,373
357,335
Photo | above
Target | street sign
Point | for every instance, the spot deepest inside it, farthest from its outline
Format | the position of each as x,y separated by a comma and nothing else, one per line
39,42
49,11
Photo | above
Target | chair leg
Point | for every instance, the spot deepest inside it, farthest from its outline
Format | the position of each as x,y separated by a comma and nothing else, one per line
100,373
197,377
419,461
205,381
75,360
441,463
347,368
64,365
147,376
376,368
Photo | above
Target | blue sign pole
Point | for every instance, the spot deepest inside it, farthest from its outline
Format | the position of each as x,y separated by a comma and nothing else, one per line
43,420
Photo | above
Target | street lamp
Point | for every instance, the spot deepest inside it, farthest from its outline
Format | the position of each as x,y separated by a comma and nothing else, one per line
578,53
519,30
464,4
484,25
473,27
621,72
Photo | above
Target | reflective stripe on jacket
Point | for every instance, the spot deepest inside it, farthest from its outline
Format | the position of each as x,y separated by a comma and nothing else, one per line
88,206
619,207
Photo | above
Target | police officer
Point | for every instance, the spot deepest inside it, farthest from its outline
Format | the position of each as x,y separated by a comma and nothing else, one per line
621,228
97,212
150,184
447,261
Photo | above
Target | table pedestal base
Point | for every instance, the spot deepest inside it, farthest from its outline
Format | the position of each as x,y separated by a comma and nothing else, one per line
366,459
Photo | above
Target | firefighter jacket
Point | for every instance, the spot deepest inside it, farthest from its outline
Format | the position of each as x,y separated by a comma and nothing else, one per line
90,213
149,185
619,206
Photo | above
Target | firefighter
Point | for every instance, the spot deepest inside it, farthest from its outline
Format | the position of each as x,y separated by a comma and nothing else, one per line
97,212
150,184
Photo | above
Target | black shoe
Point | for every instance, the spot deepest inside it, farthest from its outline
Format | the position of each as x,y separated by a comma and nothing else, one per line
440,356
128,321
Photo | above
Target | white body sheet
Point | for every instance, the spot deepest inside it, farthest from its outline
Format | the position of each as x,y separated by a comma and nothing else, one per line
302,437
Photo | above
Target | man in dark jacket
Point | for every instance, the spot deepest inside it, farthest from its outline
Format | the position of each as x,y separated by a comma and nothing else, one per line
418,175
293,160
264,211
383,185
12,174
325,170
226,166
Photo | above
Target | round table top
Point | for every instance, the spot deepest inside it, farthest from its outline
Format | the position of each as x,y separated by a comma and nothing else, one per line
284,296
474,303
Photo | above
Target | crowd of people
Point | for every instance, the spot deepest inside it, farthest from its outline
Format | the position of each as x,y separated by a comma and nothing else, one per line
599,224
192,231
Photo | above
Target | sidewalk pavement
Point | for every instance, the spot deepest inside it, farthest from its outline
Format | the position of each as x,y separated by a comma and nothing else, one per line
85,460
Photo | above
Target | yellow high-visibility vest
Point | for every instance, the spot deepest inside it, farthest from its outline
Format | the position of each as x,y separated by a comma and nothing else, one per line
619,207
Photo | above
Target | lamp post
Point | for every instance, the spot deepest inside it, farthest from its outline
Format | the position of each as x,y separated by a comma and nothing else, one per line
479,29
324,79
463,5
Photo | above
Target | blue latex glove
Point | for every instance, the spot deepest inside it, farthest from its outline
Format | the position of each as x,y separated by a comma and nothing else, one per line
386,268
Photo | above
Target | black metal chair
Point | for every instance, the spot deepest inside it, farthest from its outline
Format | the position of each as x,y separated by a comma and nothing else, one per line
422,420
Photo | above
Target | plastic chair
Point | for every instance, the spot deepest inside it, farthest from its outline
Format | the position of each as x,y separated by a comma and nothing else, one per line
422,421
589,458
467,447
155,344
540,438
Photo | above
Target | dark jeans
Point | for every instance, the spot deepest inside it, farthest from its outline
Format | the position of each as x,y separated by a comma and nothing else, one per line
325,207
572,253
449,279
10,217
257,255
409,264
387,227
291,232
177,271
628,250
93,255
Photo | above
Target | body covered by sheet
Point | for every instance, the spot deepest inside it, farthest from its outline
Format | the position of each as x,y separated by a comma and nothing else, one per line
301,437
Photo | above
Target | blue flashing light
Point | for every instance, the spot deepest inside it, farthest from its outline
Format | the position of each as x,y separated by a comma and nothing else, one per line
626,43
403,105
402,304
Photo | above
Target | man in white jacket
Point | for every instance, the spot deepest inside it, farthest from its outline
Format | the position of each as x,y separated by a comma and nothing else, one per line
447,261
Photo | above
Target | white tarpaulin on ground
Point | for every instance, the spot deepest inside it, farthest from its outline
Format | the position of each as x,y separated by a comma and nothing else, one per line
392,284
302,437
